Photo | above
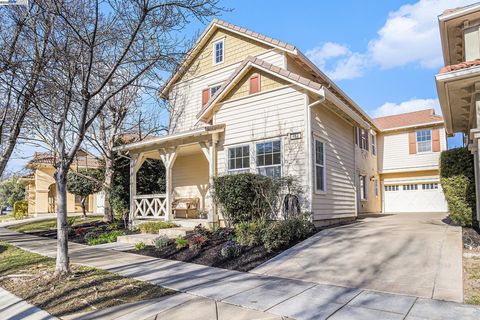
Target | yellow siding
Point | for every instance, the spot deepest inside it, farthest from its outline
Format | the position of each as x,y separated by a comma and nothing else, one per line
267,82
236,49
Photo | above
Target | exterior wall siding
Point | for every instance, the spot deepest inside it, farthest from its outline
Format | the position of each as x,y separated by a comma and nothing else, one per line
367,164
339,199
396,157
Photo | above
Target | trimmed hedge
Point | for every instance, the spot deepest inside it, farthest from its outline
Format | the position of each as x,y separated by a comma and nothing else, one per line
458,182
153,227
20,209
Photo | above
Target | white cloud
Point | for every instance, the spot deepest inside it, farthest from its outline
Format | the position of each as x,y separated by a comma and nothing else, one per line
391,108
411,35
346,64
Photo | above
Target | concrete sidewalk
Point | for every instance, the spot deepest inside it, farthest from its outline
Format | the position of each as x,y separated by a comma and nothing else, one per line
283,297
15,308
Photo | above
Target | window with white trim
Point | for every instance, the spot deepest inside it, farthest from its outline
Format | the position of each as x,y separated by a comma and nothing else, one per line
239,159
269,158
374,144
218,51
410,187
320,172
214,89
424,141
391,188
429,186
363,187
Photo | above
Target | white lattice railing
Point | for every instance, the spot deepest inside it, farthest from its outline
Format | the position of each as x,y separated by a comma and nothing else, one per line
150,206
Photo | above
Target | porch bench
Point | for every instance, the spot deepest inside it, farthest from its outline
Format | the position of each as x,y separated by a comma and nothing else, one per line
186,208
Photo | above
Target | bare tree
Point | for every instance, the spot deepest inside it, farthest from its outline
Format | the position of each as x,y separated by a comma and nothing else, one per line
101,49
24,38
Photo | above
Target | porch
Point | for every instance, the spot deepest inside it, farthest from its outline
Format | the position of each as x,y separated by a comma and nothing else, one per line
190,161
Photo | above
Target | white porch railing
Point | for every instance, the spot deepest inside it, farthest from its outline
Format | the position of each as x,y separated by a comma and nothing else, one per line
151,206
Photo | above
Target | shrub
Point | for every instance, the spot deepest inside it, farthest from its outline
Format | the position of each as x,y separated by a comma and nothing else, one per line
456,192
90,236
154,226
300,227
250,233
20,209
139,246
181,242
201,230
196,241
459,162
80,231
113,226
277,235
161,242
230,250
106,237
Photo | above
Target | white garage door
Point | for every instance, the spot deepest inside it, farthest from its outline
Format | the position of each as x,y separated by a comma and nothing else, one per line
423,197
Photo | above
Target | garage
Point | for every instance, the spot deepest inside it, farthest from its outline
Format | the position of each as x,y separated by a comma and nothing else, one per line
414,197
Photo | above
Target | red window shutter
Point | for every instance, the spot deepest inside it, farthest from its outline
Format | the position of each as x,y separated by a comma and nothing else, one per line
412,143
255,83
205,96
436,140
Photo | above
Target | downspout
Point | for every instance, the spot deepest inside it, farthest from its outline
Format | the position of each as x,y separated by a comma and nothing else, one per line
308,145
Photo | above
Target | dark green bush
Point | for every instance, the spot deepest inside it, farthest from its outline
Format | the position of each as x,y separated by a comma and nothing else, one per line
246,197
458,182
20,209
250,233
154,226
277,235
300,227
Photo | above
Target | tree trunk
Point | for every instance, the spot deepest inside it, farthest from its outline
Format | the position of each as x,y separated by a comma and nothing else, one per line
62,267
84,208
107,185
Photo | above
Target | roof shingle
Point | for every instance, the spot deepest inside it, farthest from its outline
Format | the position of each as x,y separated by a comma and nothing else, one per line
408,119
460,66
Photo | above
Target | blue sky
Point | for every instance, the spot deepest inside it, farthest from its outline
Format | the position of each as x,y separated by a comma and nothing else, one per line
383,54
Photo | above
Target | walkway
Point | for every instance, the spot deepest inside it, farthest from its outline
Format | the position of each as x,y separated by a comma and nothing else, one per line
284,297
411,253
14,308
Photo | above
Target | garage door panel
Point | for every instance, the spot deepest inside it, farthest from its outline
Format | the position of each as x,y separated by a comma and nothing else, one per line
415,200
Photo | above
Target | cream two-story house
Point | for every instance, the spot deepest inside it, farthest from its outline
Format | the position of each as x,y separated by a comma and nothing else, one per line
244,102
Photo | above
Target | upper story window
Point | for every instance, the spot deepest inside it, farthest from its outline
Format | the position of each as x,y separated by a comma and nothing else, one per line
320,172
374,144
471,43
239,159
424,141
269,158
218,51
363,187
362,138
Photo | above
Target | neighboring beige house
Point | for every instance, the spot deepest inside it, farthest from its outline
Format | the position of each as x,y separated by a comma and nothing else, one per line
41,187
458,83
245,102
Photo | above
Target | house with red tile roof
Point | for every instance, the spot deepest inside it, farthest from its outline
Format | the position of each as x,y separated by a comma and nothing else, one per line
245,102
458,82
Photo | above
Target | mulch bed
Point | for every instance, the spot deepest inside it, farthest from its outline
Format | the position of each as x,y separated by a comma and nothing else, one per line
209,254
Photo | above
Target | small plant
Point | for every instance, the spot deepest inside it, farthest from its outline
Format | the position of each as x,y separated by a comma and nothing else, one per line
230,250
106,237
139,246
113,226
250,233
196,241
90,236
226,233
161,242
152,227
201,230
80,231
181,242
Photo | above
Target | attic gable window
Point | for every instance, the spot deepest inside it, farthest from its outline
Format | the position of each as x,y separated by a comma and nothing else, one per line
218,52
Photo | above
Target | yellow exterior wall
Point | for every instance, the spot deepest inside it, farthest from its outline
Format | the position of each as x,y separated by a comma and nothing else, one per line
236,49
242,89
427,174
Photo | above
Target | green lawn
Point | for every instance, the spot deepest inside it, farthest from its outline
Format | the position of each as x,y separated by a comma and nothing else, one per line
30,276
51,224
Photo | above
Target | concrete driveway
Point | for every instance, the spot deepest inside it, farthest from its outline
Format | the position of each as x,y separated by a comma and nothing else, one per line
411,253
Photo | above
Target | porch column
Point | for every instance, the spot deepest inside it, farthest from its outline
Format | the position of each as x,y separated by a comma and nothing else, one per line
136,161
210,153
168,157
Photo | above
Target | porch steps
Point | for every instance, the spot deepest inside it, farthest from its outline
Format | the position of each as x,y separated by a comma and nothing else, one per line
175,232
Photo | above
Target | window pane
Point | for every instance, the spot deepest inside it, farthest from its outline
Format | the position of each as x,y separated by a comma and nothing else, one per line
246,151
268,159
268,147
276,146
246,163
231,164
260,160
319,178
231,153
260,148
276,158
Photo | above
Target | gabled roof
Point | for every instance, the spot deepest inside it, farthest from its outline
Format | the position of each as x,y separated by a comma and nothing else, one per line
252,62
410,119
204,37
47,158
